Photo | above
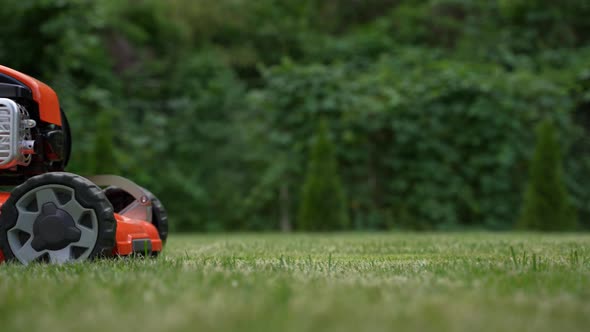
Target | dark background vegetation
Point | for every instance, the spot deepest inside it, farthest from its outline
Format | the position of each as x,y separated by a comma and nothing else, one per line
430,105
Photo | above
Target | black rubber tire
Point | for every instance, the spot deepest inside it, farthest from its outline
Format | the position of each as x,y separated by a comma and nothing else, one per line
119,198
67,138
159,217
87,194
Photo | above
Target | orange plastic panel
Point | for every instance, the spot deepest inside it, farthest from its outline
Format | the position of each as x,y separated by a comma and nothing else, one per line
131,229
42,94
3,197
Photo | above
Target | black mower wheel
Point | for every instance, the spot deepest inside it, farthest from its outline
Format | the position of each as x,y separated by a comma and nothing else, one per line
67,138
120,199
57,217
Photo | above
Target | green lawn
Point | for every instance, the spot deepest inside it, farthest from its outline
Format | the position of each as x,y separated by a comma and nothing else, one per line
341,282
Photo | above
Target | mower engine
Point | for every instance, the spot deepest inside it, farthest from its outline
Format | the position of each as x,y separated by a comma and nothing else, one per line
53,216
16,145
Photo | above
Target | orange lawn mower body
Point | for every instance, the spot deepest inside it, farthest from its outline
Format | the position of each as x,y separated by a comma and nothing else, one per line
54,216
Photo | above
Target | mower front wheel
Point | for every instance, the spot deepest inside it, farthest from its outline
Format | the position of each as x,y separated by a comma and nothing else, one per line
57,217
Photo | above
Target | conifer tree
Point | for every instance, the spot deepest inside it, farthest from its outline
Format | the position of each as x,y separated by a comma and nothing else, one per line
323,203
546,205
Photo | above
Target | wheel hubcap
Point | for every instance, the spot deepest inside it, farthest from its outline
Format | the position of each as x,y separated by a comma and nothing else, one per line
52,225
54,229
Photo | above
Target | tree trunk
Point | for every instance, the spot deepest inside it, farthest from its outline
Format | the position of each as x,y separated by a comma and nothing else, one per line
284,206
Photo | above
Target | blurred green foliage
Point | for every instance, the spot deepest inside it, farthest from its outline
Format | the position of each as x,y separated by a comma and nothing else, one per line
546,205
323,203
212,104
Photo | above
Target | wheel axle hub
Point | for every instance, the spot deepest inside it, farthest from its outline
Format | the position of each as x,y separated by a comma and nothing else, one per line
54,229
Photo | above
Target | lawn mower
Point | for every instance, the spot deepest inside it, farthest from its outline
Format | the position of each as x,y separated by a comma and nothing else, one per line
48,215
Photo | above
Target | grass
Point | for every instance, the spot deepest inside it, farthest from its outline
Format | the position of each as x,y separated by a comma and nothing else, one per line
328,282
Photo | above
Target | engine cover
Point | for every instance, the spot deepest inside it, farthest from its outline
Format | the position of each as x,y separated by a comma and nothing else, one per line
16,145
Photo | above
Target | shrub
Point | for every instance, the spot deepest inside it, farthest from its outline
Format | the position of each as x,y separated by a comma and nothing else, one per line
546,200
323,203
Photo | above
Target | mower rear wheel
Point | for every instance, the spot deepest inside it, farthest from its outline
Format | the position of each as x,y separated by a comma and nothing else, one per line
57,217
120,199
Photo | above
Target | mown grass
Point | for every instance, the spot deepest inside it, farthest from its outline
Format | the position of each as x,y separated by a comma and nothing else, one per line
328,282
